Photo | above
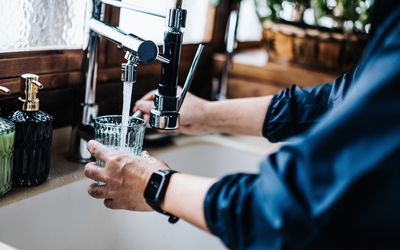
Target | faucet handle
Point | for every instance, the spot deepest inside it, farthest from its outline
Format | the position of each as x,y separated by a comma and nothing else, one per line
190,75
5,90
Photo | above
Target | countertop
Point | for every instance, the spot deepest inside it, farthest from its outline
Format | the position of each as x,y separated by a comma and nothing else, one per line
63,171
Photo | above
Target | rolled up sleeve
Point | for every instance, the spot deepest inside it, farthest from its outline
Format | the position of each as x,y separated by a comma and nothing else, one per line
294,110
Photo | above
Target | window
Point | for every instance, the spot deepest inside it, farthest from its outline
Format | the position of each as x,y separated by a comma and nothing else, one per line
41,25
152,28
249,27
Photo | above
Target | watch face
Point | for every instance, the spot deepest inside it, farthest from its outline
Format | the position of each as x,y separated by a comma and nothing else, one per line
153,186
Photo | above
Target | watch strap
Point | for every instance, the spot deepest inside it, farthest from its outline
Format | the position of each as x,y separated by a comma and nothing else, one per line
156,205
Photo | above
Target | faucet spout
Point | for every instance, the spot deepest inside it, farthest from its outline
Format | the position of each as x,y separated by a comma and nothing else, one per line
146,50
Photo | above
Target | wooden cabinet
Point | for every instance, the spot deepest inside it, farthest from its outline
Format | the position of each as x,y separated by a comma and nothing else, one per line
252,75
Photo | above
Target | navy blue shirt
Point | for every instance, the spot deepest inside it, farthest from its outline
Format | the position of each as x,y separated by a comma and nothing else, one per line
336,183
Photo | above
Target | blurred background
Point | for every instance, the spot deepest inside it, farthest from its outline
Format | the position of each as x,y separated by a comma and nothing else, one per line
253,48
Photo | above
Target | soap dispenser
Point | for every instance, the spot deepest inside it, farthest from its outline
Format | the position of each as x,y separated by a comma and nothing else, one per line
6,151
33,136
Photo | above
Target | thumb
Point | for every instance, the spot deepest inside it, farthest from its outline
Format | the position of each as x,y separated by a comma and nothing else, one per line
144,106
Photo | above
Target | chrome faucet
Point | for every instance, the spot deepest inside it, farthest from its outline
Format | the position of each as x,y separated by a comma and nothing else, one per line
220,85
165,113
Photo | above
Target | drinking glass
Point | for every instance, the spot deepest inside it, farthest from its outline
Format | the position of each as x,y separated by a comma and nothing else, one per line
127,139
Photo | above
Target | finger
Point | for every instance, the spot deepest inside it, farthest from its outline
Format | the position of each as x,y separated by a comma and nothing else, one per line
108,203
94,172
145,154
166,132
113,204
135,109
149,96
98,150
179,90
98,192
144,106
146,117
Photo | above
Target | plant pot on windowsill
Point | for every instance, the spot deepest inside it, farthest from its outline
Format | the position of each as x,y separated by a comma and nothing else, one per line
311,46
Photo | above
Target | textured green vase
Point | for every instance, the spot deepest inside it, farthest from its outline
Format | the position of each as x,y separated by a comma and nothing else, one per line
7,132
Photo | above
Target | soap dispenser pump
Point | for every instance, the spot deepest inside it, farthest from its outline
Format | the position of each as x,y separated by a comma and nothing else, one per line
7,130
33,136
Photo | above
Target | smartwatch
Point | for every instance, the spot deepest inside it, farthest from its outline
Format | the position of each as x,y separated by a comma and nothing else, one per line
155,191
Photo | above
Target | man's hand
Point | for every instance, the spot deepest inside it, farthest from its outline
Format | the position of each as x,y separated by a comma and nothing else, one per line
194,113
125,177
243,116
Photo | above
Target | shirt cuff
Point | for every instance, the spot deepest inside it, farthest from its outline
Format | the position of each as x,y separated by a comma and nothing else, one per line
277,121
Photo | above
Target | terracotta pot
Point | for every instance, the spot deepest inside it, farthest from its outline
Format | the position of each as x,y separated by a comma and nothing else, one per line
312,47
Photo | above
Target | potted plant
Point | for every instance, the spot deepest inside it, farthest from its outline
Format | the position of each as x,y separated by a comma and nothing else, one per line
329,34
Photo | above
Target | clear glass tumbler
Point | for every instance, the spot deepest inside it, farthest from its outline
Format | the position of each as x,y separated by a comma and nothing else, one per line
109,131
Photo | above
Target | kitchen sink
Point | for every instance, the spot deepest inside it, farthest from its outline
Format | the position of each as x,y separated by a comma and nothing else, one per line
68,218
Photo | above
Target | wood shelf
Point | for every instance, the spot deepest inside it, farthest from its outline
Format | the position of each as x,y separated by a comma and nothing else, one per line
252,74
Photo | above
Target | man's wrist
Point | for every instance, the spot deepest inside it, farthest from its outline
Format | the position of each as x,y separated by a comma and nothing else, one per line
208,117
164,203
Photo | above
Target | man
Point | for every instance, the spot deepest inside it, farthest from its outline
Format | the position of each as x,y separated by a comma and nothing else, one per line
335,185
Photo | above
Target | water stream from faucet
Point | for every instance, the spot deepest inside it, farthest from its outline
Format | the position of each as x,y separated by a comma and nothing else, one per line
126,104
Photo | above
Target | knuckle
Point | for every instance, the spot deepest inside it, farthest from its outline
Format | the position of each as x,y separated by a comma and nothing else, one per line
121,160
94,150
115,158
94,192
132,207
111,193
108,179
130,161
109,204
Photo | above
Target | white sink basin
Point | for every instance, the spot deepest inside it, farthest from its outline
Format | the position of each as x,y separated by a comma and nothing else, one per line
67,218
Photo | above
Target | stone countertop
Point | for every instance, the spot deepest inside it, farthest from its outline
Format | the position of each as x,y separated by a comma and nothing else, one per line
63,172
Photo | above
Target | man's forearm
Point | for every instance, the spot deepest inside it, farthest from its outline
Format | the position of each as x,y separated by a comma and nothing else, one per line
185,198
238,116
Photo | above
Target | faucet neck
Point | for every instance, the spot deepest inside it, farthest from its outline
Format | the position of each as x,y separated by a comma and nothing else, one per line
173,39
178,4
